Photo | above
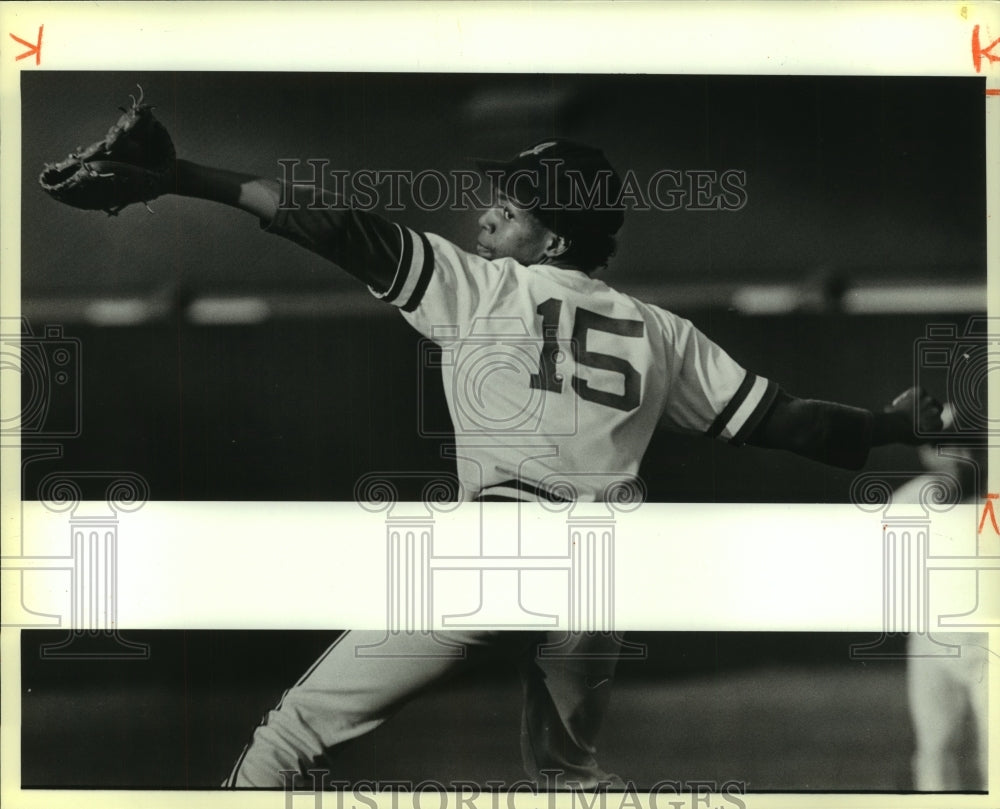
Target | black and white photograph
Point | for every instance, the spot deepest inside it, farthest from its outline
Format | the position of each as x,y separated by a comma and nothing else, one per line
800,232
570,396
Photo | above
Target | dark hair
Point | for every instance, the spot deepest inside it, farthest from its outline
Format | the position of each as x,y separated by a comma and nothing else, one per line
590,253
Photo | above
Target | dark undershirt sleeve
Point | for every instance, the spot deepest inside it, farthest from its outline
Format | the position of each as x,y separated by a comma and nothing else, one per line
359,242
828,432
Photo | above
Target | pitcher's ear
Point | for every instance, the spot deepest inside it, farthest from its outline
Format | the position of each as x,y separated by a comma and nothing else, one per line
556,246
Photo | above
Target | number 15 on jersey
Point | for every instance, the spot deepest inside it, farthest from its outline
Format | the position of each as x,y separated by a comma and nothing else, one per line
549,379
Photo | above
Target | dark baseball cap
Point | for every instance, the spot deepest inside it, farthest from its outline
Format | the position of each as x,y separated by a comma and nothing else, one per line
571,188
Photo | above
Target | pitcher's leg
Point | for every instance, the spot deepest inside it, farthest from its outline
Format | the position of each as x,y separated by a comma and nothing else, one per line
565,700
345,695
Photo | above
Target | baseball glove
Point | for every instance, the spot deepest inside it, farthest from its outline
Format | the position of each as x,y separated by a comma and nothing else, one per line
134,162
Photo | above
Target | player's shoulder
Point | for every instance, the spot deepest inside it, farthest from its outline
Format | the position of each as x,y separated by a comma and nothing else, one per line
573,282
598,295
469,269
644,308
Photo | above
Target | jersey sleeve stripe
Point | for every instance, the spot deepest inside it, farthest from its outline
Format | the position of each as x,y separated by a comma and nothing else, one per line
405,259
416,262
753,418
424,278
722,420
745,410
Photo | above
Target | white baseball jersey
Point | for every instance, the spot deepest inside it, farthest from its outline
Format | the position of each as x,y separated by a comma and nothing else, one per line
554,381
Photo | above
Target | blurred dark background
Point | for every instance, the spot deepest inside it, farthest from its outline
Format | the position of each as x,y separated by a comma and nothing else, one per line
777,711
225,364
